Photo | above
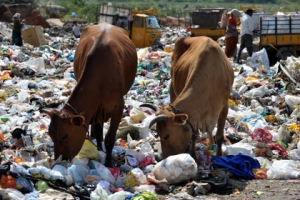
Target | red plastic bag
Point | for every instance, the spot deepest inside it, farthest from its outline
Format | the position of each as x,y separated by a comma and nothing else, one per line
115,172
279,148
147,161
262,135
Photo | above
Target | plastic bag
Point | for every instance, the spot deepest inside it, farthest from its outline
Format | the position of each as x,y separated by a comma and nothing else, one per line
99,194
59,172
284,169
37,64
7,182
79,170
176,169
259,58
104,185
262,135
119,195
136,115
88,150
103,172
257,92
146,196
14,194
264,162
292,101
131,180
140,175
282,152
259,173
23,185
294,154
145,188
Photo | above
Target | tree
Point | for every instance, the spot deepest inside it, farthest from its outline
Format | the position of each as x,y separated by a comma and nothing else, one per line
80,3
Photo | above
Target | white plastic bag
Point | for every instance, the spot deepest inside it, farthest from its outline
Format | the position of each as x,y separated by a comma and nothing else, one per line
14,194
257,92
264,162
259,58
294,154
175,169
240,148
104,173
140,175
79,170
284,169
292,101
37,64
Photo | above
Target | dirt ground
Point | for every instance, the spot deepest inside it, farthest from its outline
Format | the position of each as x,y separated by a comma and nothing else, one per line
258,189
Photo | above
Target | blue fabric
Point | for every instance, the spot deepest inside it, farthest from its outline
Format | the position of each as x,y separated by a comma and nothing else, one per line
240,165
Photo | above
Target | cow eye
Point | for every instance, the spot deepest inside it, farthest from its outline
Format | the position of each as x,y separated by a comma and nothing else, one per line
185,129
65,137
166,137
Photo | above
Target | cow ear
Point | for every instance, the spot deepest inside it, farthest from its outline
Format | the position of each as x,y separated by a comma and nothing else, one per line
180,119
77,120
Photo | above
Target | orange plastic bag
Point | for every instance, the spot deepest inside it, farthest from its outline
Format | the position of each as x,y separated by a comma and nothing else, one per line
259,173
8,182
2,138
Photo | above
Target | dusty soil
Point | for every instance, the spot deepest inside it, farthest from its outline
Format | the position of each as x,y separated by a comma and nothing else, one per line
258,189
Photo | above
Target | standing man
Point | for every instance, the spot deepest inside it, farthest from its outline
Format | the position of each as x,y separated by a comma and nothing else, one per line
246,34
76,29
117,21
16,33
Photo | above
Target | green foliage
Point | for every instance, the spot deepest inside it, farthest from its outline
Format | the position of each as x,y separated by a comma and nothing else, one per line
80,3
86,9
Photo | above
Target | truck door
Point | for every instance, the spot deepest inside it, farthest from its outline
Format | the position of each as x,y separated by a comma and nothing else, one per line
138,32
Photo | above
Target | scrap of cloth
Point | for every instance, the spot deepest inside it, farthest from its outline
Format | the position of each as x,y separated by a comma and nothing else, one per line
240,165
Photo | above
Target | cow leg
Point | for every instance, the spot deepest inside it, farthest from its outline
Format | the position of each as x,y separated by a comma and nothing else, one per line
97,132
193,148
172,94
110,137
220,131
211,138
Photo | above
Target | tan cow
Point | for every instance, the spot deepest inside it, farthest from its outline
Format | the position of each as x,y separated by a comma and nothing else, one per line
200,87
105,65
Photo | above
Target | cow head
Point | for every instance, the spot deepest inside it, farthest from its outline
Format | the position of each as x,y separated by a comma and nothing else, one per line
174,131
68,133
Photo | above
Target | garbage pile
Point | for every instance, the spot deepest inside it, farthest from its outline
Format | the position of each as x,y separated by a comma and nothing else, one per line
261,133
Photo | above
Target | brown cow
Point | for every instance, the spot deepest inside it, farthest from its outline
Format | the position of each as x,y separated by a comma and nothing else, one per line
105,66
201,83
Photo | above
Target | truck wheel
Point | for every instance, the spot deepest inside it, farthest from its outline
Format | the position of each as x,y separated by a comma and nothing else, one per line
285,52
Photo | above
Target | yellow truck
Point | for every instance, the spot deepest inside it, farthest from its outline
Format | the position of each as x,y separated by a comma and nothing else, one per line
280,35
210,22
141,25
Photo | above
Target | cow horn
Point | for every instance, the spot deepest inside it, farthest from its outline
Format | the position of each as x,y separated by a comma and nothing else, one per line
149,105
157,119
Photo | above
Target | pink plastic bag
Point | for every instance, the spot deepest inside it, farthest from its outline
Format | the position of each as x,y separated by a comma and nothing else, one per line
262,135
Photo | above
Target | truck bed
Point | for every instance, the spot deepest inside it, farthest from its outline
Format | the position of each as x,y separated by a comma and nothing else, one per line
280,30
214,33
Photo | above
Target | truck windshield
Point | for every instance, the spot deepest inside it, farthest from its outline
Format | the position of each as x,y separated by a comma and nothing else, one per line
152,22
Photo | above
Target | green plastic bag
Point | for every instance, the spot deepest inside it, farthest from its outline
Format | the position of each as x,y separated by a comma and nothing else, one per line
145,196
